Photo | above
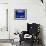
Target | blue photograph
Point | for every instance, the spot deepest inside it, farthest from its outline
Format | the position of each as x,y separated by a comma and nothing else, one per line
20,14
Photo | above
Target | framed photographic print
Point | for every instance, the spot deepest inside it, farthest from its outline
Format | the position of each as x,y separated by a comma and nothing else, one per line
20,14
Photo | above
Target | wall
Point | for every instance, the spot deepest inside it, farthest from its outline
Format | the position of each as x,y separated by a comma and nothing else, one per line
35,14
3,1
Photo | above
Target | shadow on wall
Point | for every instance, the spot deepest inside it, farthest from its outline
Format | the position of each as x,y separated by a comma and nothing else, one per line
41,35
